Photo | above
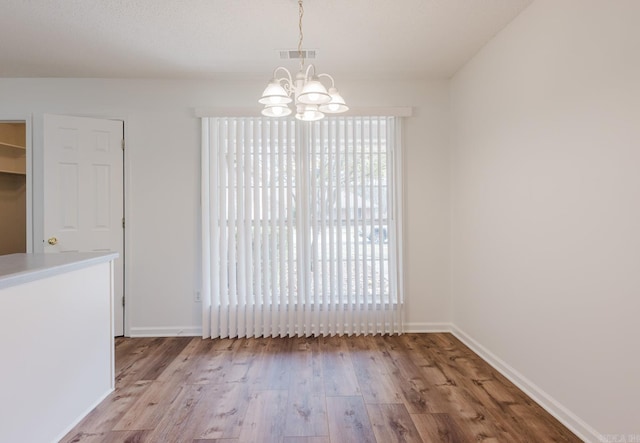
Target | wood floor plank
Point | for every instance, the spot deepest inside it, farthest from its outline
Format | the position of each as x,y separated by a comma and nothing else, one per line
175,345
411,344
456,394
110,411
247,348
133,362
489,411
307,440
149,409
264,420
277,369
109,437
222,410
125,347
348,420
440,428
374,381
212,367
126,437
469,373
178,422
227,344
84,437
141,365
183,363
493,388
392,423
339,375
535,422
474,415
413,387
305,363
418,395
257,375
306,413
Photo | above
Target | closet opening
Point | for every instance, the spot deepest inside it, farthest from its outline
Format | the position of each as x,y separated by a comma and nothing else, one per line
13,187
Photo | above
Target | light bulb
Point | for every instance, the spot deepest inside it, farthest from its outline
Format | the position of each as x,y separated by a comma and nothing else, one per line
336,105
309,113
313,93
276,111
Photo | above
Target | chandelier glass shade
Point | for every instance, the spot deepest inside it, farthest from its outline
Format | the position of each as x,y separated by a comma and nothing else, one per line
309,96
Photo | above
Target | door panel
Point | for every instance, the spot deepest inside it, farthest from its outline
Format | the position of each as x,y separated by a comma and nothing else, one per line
83,191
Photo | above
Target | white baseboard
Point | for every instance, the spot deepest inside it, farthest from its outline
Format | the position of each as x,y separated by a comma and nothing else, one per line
547,402
83,415
196,331
423,327
173,331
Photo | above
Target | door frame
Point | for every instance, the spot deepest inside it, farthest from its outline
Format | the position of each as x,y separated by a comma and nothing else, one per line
35,195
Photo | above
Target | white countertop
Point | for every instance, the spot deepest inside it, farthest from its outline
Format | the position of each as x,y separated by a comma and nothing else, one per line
16,269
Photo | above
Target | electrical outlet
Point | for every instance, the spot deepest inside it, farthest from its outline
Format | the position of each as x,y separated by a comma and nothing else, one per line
196,297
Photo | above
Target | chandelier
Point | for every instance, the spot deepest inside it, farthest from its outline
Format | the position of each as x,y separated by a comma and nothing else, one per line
312,99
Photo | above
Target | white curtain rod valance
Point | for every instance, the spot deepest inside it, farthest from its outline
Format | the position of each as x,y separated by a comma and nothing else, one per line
386,111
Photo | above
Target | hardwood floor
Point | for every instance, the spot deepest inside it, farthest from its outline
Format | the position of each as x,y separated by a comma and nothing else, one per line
409,388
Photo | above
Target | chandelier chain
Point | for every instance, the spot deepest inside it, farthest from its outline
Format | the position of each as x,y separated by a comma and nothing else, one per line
300,13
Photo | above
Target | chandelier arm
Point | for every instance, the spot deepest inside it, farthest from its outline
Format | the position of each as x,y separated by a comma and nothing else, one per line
306,72
333,83
288,80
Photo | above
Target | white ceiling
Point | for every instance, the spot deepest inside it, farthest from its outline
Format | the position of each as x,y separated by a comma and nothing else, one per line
219,38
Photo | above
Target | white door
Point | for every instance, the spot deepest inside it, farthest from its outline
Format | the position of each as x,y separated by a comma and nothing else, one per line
83,192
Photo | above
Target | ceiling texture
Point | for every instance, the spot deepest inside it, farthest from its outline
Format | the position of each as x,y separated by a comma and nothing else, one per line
209,39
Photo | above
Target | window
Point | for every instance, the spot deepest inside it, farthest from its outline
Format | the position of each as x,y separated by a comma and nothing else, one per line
301,226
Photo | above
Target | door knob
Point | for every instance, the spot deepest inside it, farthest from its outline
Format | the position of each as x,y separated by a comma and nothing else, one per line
52,241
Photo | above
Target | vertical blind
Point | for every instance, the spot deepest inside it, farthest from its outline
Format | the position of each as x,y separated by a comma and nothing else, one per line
301,227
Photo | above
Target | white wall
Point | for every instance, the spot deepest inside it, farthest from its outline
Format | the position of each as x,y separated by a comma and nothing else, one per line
162,184
546,208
